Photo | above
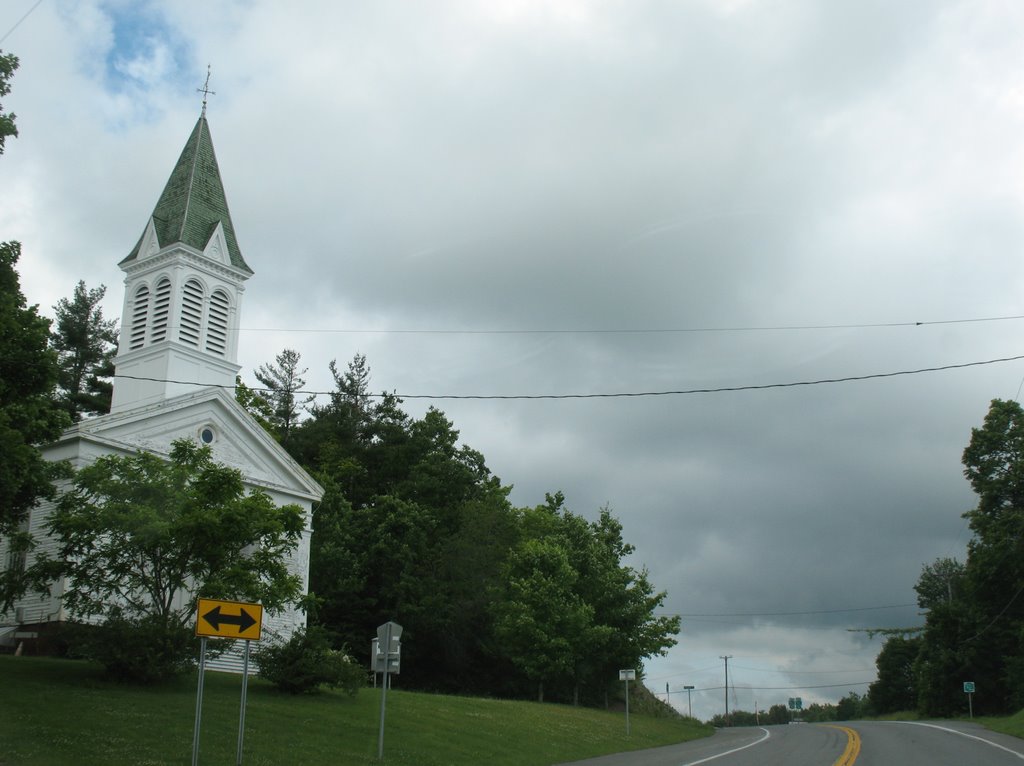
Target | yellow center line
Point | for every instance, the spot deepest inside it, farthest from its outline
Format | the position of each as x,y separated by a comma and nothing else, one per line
852,750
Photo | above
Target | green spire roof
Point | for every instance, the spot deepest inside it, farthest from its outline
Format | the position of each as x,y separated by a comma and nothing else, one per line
193,202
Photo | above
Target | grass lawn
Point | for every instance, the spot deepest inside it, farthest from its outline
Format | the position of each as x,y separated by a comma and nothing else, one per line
1013,724
62,711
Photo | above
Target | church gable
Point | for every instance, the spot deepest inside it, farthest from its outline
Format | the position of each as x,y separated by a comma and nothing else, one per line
217,248
209,417
148,245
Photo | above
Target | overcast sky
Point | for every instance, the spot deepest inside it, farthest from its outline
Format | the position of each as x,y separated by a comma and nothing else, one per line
522,198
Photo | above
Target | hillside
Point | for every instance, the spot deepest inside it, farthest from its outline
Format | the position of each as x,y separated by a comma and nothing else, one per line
62,711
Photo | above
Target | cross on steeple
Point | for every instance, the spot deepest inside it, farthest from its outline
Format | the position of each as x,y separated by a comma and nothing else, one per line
205,90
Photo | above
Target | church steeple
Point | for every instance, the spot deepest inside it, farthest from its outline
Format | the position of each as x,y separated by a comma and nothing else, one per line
193,201
183,287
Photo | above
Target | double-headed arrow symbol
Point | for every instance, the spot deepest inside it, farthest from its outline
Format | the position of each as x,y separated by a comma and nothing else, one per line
243,619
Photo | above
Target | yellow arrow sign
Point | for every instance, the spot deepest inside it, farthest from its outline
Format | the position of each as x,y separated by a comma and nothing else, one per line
229,619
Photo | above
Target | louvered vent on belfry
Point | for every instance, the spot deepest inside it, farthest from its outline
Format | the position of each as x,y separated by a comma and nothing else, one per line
140,312
191,313
161,309
217,329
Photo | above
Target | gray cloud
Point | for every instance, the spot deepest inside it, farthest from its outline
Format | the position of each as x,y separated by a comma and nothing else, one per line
639,166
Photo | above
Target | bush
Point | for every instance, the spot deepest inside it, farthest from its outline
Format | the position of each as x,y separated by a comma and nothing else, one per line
143,650
306,661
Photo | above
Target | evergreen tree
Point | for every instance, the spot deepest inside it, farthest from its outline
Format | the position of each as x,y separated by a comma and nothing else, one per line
85,343
284,382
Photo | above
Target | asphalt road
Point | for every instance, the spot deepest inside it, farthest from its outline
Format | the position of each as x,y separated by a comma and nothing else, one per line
857,743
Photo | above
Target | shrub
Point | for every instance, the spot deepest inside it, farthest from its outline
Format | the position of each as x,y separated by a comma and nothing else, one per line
142,650
306,661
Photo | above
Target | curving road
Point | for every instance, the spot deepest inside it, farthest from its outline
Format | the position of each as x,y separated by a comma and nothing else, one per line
855,743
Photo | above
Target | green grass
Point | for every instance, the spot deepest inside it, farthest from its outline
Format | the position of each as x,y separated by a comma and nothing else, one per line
1013,725
62,711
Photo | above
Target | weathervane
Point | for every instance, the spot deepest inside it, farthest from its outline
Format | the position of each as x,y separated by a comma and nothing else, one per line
205,90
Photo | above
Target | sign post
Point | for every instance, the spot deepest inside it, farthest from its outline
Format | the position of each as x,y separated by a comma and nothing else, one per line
627,676
225,619
969,691
689,702
386,660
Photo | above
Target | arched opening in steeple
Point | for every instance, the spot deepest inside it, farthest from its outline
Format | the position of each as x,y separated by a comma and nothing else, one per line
217,323
161,310
140,318
191,321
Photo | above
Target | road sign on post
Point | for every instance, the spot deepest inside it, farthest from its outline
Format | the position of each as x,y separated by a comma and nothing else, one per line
229,619
388,648
969,691
386,662
225,619
627,676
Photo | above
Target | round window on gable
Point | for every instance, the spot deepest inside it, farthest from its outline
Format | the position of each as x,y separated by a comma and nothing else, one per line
207,435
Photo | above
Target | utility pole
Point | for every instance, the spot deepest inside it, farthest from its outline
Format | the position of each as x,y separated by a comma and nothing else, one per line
726,657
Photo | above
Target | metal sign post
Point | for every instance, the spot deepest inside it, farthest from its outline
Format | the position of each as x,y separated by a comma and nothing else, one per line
241,712
689,702
225,619
969,691
199,701
386,660
627,676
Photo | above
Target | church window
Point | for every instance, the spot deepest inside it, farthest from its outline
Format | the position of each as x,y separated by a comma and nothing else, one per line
161,309
207,435
140,313
217,329
191,313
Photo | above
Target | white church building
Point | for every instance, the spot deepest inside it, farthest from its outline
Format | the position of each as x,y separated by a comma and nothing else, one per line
175,371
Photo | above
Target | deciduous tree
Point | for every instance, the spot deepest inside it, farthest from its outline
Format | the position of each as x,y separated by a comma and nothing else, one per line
8,64
139,536
28,415
896,687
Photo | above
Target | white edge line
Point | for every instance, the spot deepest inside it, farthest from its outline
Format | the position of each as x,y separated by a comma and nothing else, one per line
962,734
730,752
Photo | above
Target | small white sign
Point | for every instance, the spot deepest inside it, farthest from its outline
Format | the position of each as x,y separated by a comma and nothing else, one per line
627,675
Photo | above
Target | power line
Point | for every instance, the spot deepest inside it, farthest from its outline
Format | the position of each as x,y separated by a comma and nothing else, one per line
787,614
802,672
621,394
637,331
782,688
18,22
719,390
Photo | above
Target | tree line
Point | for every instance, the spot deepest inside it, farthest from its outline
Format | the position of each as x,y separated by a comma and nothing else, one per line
850,706
413,527
974,610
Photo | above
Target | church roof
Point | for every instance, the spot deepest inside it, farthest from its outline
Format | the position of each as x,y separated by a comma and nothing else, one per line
193,201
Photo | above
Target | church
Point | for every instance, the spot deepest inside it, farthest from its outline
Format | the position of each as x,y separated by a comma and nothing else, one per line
176,366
